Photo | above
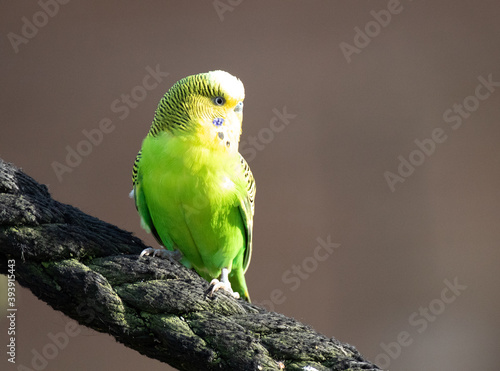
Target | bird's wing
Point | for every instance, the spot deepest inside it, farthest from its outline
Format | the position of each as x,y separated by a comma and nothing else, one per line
140,201
247,207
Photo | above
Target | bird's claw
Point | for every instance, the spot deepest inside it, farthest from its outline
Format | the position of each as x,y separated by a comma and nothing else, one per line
161,253
217,285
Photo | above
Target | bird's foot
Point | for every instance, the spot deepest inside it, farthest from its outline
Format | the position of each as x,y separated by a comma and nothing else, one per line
217,285
223,284
162,253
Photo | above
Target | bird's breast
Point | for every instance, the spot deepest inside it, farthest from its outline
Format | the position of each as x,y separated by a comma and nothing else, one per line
186,169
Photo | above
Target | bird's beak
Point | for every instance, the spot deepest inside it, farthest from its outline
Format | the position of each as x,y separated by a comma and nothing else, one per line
239,107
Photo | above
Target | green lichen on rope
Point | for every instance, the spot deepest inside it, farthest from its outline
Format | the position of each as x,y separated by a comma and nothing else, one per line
91,271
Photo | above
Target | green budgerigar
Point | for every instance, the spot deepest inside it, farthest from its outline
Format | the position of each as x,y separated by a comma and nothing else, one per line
192,188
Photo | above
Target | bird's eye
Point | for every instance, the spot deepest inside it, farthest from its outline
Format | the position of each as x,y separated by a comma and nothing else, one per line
219,101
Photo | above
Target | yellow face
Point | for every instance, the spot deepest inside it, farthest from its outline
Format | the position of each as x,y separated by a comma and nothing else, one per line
219,117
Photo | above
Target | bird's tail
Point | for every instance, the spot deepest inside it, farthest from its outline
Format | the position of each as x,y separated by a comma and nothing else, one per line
238,283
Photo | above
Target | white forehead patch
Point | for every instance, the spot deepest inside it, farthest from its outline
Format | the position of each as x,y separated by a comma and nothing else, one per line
229,83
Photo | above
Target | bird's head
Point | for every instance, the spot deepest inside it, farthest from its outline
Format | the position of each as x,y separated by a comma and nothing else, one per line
207,107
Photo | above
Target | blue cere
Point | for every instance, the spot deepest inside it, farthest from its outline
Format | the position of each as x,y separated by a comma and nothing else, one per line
218,121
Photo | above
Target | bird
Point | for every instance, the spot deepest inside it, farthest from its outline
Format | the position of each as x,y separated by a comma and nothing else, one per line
193,190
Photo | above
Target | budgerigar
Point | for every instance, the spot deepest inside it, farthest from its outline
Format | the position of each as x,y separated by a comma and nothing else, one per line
193,190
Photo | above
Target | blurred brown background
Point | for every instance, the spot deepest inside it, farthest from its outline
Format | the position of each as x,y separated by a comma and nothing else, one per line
319,176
